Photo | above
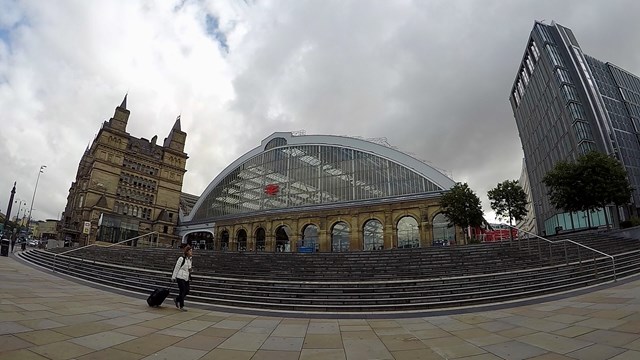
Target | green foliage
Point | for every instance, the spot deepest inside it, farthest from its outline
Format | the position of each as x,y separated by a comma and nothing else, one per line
634,221
462,206
509,200
593,182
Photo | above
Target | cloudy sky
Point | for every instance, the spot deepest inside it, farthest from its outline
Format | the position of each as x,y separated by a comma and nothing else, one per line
433,77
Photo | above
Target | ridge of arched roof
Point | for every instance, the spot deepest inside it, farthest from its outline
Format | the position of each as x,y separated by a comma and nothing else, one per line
425,170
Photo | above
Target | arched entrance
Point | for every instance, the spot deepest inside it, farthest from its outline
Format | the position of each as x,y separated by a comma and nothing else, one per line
340,237
261,238
241,239
200,240
282,239
408,233
309,242
443,233
224,240
373,236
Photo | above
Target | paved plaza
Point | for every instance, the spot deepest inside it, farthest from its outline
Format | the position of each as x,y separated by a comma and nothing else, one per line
43,316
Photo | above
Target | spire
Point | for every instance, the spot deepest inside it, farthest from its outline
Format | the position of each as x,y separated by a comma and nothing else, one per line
176,126
124,101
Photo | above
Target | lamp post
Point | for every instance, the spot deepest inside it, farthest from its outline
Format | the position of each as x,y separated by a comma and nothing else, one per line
42,167
20,203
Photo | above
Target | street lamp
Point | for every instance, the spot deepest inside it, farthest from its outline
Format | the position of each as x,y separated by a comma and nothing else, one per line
42,167
20,203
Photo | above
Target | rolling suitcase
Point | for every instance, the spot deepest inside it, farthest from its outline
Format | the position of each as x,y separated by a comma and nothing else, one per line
157,297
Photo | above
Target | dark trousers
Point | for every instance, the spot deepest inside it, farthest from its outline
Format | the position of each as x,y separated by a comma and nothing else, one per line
183,285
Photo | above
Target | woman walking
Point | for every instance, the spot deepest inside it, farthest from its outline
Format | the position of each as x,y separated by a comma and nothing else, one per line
182,274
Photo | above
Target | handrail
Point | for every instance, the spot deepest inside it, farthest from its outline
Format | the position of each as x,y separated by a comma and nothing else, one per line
55,256
133,238
613,260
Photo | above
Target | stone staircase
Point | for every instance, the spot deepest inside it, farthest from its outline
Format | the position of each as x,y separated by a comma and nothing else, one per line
398,280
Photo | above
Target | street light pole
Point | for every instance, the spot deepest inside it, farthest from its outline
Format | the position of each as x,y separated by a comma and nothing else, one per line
42,167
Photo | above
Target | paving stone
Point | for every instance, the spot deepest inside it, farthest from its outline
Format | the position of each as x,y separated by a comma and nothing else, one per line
275,355
322,354
323,328
627,355
199,342
596,352
573,331
366,349
240,341
322,341
10,327
174,352
102,340
554,343
148,344
407,342
135,330
39,324
453,347
42,337
283,343
228,354
416,354
61,350
607,337
22,354
111,354
12,342
514,350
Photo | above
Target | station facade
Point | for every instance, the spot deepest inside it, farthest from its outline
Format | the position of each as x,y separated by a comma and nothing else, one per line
311,193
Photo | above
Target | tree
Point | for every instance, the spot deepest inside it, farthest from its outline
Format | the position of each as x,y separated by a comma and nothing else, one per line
462,206
509,200
594,181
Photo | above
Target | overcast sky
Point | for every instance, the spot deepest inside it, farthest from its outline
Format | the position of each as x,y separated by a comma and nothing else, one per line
433,77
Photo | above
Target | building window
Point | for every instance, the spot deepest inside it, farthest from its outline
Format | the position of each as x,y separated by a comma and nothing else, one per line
340,237
165,229
408,234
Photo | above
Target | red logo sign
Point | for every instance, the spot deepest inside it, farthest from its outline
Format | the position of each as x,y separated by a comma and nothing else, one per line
272,189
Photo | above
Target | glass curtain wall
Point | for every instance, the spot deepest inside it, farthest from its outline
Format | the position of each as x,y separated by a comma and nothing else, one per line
290,176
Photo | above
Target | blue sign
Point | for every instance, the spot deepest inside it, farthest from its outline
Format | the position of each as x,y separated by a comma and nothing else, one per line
305,249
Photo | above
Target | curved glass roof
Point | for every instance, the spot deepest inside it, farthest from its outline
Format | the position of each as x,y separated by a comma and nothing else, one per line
289,171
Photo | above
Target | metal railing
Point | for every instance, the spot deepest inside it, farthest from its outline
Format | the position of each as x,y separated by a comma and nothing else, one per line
55,257
566,252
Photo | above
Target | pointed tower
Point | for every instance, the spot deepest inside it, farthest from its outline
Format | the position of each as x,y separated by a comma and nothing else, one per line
120,117
176,138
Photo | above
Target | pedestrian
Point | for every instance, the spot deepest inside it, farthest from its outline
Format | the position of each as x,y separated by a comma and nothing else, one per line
182,274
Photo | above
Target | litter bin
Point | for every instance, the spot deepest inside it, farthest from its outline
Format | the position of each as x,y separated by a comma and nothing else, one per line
4,247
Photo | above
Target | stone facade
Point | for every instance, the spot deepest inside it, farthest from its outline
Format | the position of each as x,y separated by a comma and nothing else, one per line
423,211
126,186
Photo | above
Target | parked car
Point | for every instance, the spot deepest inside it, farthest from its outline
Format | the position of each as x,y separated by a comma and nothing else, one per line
33,242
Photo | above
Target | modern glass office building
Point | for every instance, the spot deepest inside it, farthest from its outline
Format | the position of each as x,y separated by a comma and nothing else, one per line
328,193
565,104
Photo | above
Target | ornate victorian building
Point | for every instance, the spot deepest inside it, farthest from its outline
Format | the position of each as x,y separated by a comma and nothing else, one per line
126,186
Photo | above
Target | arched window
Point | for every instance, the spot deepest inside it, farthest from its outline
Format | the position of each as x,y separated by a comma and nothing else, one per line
135,211
282,239
373,236
310,238
340,237
260,239
408,234
443,233
224,241
242,240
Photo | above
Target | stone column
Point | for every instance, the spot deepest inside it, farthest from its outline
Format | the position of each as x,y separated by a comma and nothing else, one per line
389,230
356,234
